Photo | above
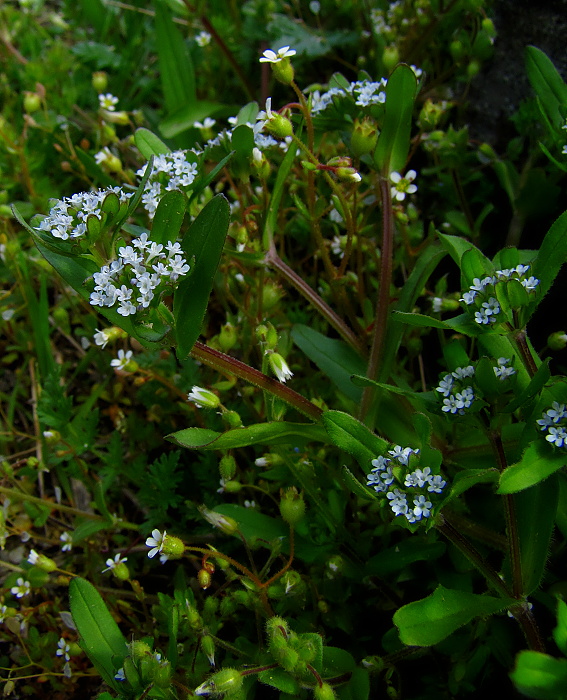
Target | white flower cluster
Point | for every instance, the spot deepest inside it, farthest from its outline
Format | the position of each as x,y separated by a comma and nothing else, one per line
502,371
178,173
365,92
143,268
381,478
456,401
481,291
553,421
68,217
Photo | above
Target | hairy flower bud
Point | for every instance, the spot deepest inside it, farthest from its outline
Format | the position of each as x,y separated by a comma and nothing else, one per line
227,681
292,506
324,692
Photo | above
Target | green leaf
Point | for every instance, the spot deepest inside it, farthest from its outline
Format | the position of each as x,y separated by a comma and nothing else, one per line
336,662
455,246
353,437
356,487
358,687
335,358
548,86
552,254
279,679
537,382
539,461
90,527
202,245
394,140
149,144
184,118
100,636
277,433
175,65
535,512
427,622
538,675
168,217
560,632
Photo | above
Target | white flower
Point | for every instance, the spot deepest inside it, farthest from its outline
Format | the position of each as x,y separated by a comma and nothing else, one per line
103,155
113,563
63,649
203,398
108,102
436,484
102,337
33,557
280,367
557,437
120,675
122,360
502,371
275,57
208,123
445,385
203,39
156,541
402,185
23,588
67,540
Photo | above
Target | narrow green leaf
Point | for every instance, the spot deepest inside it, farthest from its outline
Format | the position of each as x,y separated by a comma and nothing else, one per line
539,461
335,358
535,510
394,140
100,636
427,622
185,117
205,181
202,245
353,437
547,84
168,217
175,65
90,527
552,254
149,144
277,433
356,487
540,676
560,632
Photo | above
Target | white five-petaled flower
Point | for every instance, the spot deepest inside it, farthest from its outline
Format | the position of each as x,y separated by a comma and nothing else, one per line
21,589
203,39
122,360
101,338
63,649
156,541
403,185
33,557
108,102
203,398
113,563
270,56
280,367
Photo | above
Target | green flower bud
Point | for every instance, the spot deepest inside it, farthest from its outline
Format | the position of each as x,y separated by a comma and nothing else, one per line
228,525
42,562
488,26
74,649
227,467
205,579
283,71
232,486
348,174
207,645
279,367
364,137
457,50
173,547
232,418
32,102
292,506
139,650
473,69
557,341
227,681
390,57
121,118
324,692
100,81
203,398
228,337
271,296
194,619
121,572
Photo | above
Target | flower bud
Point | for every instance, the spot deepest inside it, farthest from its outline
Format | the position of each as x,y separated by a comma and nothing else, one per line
205,579
279,126
207,645
283,71
473,69
194,619
228,337
557,341
260,164
279,367
324,692
203,398
99,81
172,547
42,562
32,102
227,467
121,118
348,174
139,650
292,506
228,525
271,296
228,681
121,572
390,57
232,419
364,137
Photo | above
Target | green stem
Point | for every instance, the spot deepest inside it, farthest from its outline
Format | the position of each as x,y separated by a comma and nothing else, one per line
520,339
383,301
511,520
224,363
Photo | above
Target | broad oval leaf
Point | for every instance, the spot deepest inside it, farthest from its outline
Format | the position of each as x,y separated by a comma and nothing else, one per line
538,462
